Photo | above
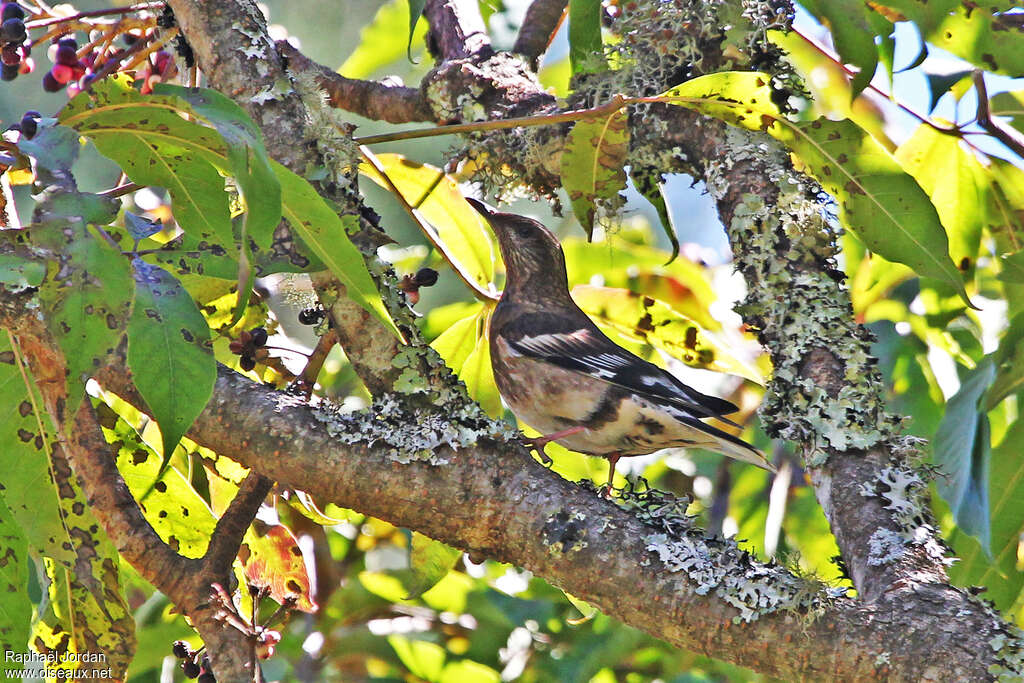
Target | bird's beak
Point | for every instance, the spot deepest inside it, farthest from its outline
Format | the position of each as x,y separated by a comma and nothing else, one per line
481,208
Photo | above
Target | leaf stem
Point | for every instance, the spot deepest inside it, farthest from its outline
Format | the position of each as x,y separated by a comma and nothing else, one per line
94,13
615,103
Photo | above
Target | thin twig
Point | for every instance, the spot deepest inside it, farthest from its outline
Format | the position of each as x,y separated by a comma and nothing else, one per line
617,102
121,190
984,118
39,23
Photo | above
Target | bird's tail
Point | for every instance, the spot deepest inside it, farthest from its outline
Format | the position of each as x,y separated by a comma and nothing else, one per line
725,443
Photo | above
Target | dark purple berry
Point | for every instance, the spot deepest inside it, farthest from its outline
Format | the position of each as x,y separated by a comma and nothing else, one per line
12,10
8,72
13,31
10,55
129,38
51,84
68,41
259,336
310,316
29,126
246,363
189,668
66,55
426,277
181,649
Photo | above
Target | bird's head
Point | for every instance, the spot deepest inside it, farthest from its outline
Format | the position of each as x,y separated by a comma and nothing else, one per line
534,262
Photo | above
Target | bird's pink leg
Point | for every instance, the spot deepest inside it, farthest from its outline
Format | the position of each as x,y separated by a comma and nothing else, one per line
539,442
613,458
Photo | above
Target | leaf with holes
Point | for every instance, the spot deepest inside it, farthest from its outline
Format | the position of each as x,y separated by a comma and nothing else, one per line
15,606
593,163
246,155
86,299
636,317
169,352
155,145
177,513
877,200
28,490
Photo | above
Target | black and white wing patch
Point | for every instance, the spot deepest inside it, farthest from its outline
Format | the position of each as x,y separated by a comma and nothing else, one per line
588,350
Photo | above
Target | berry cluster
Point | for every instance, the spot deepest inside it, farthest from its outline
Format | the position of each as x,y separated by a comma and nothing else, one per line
14,51
410,284
248,346
192,665
67,66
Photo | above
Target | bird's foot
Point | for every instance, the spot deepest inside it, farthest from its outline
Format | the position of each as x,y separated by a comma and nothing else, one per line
537,444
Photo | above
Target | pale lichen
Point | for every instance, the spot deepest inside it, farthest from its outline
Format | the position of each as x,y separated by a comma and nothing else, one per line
564,532
904,493
398,433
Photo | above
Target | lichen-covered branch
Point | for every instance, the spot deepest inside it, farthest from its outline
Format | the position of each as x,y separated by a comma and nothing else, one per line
456,479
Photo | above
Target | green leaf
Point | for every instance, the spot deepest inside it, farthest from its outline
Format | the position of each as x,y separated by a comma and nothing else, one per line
1010,105
852,33
459,229
155,145
377,45
1009,362
246,154
17,273
940,84
1012,267
28,487
882,204
420,657
973,31
169,352
585,49
962,449
326,234
468,670
430,561
415,12
15,607
641,318
593,163
1002,576
86,300
956,183
648,182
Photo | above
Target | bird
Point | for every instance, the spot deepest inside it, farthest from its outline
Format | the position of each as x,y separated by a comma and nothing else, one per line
558,373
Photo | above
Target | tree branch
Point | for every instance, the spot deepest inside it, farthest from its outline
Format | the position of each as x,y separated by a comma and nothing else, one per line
539,26
487,497
457,30
373,100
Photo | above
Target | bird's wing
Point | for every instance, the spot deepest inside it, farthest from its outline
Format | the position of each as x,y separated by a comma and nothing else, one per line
584,348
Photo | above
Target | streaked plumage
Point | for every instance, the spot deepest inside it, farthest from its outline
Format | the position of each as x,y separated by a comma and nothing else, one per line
562,376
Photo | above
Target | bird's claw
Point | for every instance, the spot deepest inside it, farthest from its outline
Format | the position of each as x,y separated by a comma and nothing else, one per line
537,445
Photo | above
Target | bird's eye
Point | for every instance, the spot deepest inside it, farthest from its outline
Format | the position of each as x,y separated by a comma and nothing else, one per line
523,231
